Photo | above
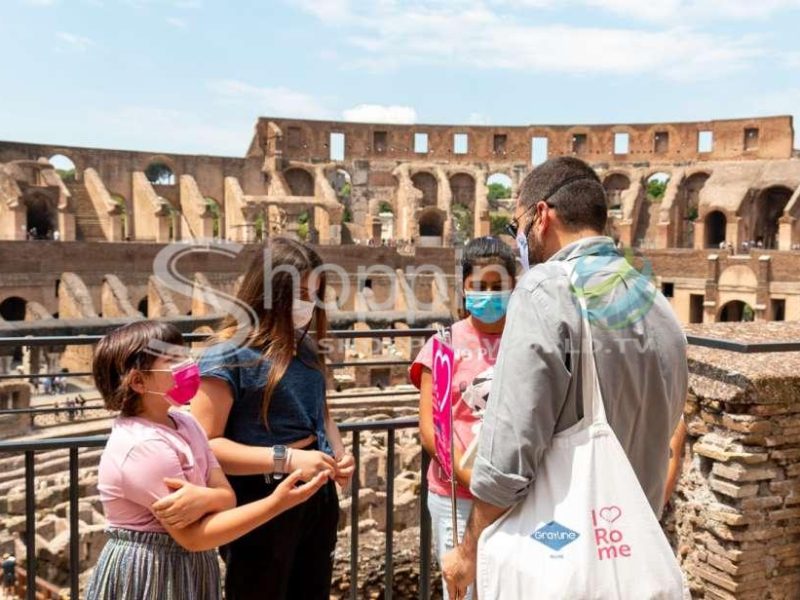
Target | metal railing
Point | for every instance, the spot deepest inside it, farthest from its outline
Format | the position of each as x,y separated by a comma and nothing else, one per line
390,427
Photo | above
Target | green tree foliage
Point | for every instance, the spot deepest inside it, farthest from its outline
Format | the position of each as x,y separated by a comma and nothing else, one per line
462,220
385,207
303,225
656,188
497,191
345,191
213,208
160,174
498,222
347,216
67,175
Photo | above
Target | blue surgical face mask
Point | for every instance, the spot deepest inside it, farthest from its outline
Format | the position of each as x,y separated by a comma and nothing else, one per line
487,307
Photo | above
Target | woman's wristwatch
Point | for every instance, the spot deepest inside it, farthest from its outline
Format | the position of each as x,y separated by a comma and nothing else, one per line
279,455
280,458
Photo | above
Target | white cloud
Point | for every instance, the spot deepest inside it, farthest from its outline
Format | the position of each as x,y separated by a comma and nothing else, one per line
40,3
326,9
486,34
668,38
176,22
478,119
75,42
688,10
377,113
271,101
170,130
791,60
780,102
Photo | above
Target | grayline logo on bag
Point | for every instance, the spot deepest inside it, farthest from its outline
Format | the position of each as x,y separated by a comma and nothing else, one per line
555,536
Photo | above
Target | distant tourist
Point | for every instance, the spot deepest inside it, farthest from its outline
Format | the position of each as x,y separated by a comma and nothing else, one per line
167,502
263,405
488,270
9,575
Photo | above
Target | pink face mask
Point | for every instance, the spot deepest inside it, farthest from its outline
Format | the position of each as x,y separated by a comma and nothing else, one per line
186,376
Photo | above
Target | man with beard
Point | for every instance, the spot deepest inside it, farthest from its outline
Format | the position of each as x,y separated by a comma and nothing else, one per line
640,352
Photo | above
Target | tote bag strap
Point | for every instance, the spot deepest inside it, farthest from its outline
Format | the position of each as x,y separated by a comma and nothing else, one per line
591,397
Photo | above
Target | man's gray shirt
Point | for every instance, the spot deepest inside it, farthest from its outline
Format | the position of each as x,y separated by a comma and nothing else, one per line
640,351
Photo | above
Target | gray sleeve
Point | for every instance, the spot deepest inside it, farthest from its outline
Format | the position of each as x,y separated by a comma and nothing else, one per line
529,390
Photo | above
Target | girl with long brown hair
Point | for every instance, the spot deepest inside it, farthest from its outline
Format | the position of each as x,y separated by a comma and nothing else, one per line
262,404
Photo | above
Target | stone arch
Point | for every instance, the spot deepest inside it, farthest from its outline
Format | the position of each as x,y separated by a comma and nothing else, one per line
215,209
738,277
687,209
715,227
300,181
615,184
124,223
646,222
13,308
64,166
499,186
41,215
735,311
160,171
341,181
462,186
768,209
431,222
429,186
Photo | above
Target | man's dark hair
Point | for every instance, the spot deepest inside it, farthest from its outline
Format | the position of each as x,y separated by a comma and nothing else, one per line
572,188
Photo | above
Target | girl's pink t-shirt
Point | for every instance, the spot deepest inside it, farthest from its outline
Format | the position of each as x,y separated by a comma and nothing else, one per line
137,458
473,371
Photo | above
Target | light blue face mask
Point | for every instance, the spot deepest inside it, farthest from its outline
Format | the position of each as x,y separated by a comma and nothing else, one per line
487,307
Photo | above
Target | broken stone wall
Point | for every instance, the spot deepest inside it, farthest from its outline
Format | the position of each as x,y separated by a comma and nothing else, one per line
735,518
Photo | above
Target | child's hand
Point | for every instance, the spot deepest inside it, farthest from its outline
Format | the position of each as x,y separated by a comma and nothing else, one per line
311,462
288,494
187,504
345,467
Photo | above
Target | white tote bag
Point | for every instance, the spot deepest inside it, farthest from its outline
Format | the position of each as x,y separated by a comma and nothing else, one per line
586,530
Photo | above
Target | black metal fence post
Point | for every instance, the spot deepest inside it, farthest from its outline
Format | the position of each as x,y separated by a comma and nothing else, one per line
30,525
424,533
74,547
355,488
389,562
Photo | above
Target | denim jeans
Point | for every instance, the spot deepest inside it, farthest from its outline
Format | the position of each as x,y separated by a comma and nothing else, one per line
440,510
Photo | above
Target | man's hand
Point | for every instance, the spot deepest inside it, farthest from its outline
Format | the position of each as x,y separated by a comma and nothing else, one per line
459,571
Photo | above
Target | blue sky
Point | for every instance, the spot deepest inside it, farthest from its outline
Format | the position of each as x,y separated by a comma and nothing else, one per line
193,75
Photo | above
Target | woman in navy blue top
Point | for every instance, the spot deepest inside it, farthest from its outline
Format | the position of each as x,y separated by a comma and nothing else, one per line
262,404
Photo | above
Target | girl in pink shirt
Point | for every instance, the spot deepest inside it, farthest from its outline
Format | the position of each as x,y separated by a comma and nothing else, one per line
487,271
167,501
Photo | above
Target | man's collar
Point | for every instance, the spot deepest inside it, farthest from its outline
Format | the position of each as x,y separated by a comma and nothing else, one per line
596,244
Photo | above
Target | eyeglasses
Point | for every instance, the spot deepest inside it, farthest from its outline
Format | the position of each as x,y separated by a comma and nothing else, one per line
512,227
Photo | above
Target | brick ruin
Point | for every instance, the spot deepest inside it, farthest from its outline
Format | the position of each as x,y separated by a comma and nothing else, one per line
728,188
735,521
